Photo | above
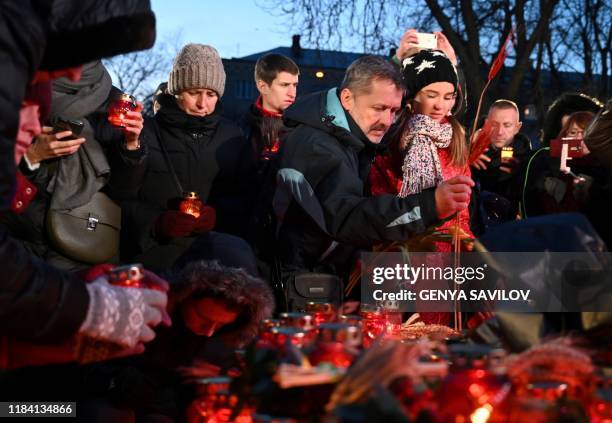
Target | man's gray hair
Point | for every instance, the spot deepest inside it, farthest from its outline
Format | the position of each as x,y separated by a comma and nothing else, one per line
360,74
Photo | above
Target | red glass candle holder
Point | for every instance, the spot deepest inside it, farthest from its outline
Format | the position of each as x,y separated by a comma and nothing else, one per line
343,333
471,394
266,338
128,276
212,395
374,323
322,312
393,317
282,337
215,403
191,204
337,344
600,409
118,109
131,276
304,321
333,353
351,319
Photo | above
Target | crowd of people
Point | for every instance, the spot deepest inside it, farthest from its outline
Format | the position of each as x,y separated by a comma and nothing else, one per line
289,196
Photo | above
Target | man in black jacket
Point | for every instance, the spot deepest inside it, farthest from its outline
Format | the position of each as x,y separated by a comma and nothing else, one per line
500,169
323,210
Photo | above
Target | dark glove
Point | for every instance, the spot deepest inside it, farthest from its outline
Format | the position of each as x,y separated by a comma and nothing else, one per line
206,221
174,224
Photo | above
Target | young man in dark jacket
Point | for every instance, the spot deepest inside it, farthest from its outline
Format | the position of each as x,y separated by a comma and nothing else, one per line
276,78
324,212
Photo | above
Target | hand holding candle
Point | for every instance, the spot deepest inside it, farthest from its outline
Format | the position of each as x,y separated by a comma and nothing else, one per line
191,204
206,221
133,124
119,108
174,224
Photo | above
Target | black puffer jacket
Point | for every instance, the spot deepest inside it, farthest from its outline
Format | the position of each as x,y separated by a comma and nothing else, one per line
209,155
39,302
321,195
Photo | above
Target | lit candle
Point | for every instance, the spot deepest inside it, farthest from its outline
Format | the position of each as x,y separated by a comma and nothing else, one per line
506,153
322,312
129,276
191,204
118,109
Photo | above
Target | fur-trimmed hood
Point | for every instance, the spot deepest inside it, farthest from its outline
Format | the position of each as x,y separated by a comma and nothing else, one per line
209,279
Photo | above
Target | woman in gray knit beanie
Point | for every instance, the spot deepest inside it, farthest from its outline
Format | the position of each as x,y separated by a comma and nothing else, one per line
192,148
197,79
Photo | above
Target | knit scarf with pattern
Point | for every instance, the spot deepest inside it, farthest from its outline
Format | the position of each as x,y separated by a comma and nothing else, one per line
421,168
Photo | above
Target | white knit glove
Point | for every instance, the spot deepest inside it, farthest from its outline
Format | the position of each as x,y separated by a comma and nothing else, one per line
123,316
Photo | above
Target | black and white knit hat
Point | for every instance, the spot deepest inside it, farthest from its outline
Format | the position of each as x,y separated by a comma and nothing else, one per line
197,66
427,67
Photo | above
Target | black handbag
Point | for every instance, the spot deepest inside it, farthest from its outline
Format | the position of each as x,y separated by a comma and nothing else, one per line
89,233
303,288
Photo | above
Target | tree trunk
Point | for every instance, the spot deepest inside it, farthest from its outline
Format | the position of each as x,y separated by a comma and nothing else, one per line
523,54
469,55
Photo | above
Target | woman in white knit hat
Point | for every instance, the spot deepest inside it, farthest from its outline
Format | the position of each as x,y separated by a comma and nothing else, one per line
191,148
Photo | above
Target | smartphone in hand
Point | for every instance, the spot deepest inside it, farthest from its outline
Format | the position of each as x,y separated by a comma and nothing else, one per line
574,147
427,41
74,125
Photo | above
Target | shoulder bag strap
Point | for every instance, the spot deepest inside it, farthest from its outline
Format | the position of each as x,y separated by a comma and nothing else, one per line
167,159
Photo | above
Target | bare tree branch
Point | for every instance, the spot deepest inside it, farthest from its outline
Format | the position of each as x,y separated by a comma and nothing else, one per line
140,73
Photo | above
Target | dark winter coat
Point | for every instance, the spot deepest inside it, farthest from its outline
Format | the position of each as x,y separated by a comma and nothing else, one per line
38,301
209,156
321,191
264,131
